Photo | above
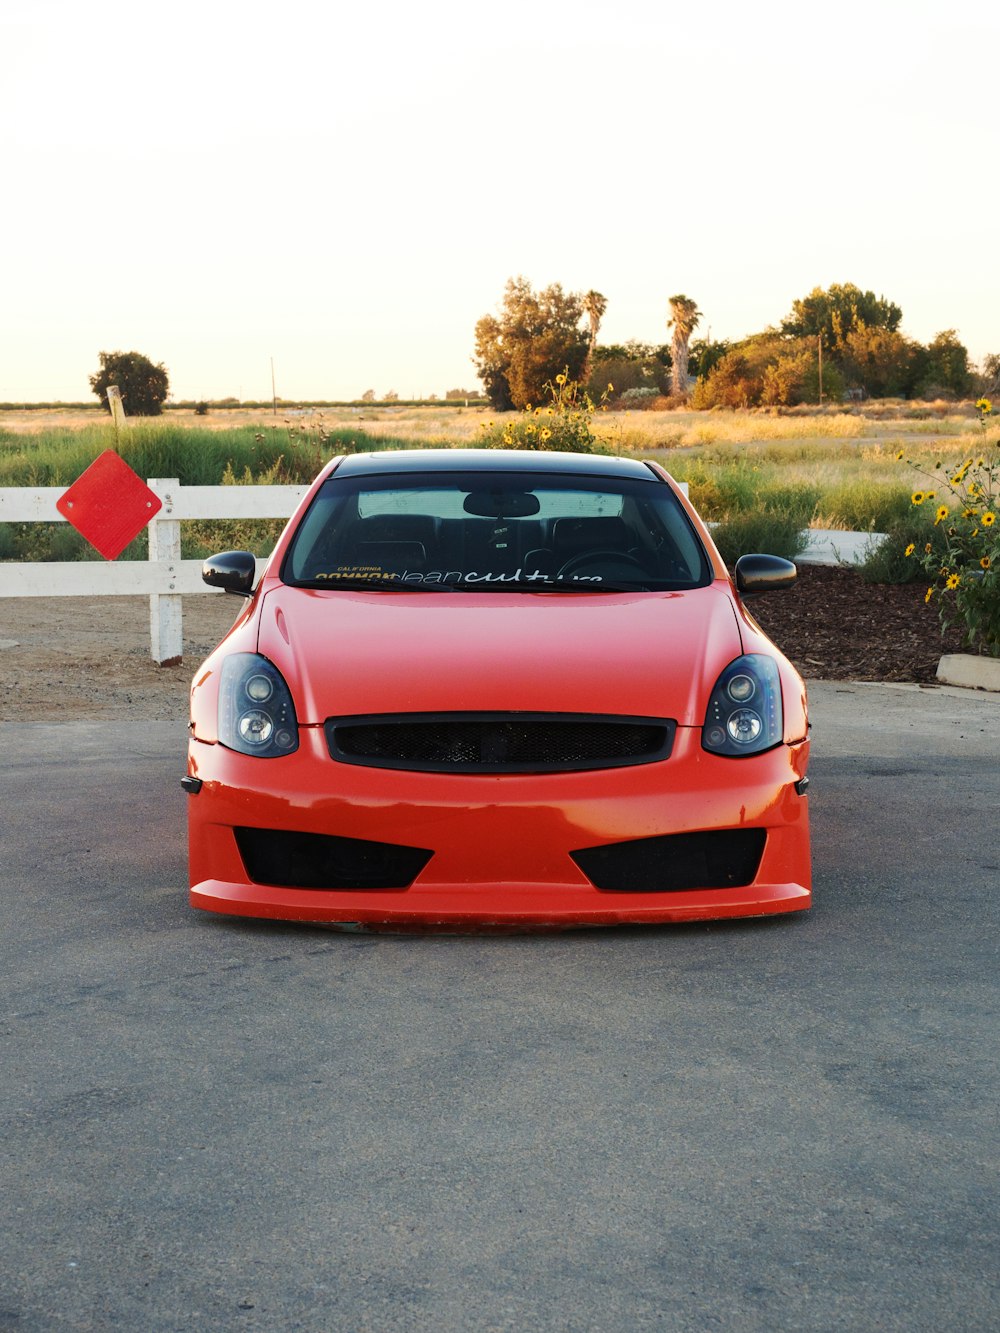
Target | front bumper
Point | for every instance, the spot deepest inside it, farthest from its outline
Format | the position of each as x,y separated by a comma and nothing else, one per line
501,844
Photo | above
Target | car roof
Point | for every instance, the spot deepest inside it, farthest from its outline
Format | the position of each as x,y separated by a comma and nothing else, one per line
492,461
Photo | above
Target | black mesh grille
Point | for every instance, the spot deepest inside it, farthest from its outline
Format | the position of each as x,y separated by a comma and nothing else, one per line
316,861
498,742
726,859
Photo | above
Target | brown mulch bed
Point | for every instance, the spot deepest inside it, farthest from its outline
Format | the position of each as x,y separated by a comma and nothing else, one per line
834,626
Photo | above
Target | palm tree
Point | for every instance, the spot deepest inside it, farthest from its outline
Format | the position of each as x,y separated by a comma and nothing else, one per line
684,315
594,306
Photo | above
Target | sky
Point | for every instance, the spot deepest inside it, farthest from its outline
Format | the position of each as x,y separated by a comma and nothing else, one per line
345,189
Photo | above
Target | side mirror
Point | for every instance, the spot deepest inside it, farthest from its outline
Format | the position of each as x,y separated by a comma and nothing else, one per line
764,573
233,571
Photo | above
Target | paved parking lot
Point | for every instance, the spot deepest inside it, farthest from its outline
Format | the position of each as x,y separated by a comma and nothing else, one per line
787,1124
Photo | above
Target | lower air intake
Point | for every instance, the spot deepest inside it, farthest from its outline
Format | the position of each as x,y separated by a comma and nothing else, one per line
728,859
292,860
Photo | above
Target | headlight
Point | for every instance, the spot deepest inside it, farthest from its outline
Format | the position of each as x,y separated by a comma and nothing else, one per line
256,713
744,711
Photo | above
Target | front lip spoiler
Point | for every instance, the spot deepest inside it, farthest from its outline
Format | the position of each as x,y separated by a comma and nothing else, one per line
191,785
495,906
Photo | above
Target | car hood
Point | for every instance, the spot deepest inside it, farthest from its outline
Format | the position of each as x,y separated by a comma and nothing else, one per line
650,654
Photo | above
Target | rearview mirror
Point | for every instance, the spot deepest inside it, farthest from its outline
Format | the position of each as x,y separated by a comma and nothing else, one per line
764,573
232,571
501,504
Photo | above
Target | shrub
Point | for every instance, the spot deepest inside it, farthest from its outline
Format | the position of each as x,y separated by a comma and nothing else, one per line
770,531
201,409
886,560
965,583
144,386
563,425
861,506
638,397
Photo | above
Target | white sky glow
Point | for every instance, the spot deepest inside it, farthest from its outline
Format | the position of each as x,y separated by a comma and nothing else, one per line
347,190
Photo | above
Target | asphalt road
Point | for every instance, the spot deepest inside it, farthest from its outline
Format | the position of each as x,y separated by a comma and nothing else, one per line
787,1124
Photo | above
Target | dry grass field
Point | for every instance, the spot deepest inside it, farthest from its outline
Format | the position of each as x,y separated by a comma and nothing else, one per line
634,431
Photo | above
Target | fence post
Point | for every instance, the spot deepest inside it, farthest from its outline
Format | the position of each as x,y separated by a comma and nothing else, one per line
165,622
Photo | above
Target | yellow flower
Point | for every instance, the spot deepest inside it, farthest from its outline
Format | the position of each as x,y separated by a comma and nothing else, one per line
928,595
953,581
560,379
527,407
899,455
989,518
928,548
611,388
910,549
941,513
917,498
531,430
507,439
545,434
985,562
970,513
538,411
984,405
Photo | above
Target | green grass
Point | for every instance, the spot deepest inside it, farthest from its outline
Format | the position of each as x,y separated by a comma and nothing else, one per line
195,456
758,474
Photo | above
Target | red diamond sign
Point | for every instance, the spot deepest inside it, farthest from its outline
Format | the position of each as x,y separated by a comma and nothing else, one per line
109,504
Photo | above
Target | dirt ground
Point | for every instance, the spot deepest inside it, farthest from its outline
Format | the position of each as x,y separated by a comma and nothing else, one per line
71,658
66,658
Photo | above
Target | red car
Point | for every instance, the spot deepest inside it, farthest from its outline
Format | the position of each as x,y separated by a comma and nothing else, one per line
479,688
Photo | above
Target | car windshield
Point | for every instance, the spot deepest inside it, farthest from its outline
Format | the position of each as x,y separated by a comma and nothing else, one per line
502,531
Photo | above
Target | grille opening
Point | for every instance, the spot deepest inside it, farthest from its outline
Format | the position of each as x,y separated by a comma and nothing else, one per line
725,859
499,742
291,860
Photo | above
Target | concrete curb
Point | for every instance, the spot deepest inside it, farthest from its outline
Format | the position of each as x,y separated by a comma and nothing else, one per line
829,546
974,673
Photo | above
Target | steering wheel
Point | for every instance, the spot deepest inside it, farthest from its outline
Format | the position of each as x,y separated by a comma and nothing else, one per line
584,558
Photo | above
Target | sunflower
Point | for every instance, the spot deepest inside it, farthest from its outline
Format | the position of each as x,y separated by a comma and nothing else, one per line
985,562
953,581
917,498
910,549
941,513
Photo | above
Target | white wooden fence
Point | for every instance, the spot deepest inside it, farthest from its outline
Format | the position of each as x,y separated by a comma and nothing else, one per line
165,577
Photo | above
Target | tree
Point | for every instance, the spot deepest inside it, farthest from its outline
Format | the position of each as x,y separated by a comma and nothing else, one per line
946,367
990,373
535,337
144,386
684,316
594,306
837,311
882,361
768,369
630,365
